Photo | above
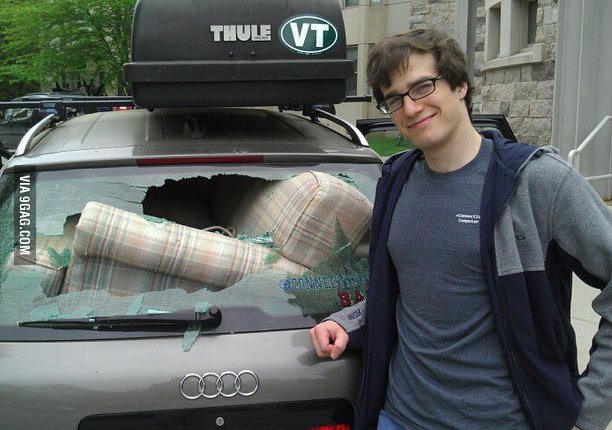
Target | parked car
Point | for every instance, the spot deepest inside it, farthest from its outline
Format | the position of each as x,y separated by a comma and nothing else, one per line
160,268
384,137
154,183
15,122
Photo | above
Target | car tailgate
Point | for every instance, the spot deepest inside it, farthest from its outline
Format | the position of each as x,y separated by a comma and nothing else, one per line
58,384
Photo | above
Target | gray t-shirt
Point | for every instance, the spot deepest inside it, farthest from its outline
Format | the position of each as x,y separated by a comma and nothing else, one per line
448,369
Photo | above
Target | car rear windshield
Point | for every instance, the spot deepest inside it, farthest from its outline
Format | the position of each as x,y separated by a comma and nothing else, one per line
272,241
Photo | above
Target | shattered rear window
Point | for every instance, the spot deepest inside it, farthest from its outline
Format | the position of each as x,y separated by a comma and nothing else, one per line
285,240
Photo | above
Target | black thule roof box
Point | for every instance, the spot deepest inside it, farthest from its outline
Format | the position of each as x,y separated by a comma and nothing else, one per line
238,53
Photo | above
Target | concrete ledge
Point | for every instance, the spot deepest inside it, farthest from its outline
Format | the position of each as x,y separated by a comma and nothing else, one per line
530,54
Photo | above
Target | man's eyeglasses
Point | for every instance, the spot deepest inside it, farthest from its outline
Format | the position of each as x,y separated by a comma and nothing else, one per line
416,92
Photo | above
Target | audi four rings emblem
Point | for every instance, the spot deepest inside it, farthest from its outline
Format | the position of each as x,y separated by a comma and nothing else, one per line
211,385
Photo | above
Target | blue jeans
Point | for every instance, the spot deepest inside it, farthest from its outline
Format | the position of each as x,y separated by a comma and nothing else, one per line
385,422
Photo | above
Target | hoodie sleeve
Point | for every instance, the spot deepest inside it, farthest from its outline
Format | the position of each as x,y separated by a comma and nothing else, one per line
352,320
582,224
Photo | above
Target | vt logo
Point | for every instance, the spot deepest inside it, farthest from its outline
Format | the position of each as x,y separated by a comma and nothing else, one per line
307,34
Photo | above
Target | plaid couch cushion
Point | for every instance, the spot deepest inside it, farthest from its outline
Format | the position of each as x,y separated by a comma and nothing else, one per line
302,213
119,279
109,242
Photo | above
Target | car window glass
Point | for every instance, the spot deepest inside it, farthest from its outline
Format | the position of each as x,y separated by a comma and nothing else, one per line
391,141
20,115
115,241
388,142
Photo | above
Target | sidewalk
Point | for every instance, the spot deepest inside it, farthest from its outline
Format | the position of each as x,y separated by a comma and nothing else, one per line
584,319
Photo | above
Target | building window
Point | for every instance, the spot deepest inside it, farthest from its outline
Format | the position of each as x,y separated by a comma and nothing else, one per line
351,83
510,33
351,3
532,21
493,31
375,2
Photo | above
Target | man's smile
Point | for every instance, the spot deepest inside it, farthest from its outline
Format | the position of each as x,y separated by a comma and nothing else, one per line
421,122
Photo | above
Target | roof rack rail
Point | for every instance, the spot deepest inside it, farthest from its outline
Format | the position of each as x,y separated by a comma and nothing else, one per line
28,138
315,112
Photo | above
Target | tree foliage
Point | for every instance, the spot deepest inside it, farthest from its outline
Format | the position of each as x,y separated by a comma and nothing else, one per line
59,41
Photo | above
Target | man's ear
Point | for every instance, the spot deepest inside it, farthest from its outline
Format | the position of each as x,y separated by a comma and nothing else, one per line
462,90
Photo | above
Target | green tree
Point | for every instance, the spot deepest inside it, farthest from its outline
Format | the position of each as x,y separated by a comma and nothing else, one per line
60,41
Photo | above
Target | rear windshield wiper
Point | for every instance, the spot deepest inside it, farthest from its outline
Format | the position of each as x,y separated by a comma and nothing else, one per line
173,321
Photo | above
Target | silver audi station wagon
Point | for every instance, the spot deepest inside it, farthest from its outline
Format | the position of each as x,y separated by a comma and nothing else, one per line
160,267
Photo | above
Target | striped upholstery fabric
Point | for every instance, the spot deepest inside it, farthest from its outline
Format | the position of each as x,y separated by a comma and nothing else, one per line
119,279
109,243
302,213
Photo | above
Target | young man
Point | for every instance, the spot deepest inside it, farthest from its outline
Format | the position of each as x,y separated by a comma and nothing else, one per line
474,240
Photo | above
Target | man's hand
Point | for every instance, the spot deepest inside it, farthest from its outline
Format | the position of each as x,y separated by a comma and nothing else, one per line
329,339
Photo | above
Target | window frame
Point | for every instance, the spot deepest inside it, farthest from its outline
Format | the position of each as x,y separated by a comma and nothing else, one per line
506,34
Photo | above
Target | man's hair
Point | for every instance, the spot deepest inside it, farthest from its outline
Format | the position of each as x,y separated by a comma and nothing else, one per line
392,55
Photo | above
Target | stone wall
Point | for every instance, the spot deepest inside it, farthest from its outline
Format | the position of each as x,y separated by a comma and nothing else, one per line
432,13
523,93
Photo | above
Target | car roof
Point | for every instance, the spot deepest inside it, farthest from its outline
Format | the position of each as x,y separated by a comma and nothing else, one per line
172,132
51,95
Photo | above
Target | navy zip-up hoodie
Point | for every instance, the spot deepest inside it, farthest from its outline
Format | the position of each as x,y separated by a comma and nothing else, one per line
530,241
